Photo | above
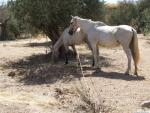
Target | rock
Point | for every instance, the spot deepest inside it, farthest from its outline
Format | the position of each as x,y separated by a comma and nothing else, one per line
145,104
59,91
11,74
141,111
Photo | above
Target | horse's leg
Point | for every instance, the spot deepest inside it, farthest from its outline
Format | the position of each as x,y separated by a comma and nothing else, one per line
66,53
97,49
76,54
89,45
94,52
74,49
93,62
136,68
129,56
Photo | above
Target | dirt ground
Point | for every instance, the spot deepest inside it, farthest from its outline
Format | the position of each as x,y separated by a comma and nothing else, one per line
31,83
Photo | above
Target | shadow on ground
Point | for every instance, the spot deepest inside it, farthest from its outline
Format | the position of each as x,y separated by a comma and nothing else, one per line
148,42
116,75
34,44
39,69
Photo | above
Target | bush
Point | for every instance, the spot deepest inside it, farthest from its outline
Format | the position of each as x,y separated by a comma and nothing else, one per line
144,15
124,13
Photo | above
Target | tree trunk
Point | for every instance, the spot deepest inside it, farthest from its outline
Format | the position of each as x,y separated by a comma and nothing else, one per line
3,33
54,35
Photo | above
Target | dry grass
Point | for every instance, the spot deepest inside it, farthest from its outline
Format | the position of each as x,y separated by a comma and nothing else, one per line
91,102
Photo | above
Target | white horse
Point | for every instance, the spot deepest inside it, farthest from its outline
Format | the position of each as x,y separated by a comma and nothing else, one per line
109,36
69,38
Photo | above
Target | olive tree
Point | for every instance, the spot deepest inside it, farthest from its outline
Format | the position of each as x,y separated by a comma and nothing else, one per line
52,16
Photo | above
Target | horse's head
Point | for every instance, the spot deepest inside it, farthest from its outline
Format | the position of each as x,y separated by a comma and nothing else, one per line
73,25
84,24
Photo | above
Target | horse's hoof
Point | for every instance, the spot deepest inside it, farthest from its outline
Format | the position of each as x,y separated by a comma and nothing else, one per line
97,68
127,73
135,73
66,63
92,65
78,64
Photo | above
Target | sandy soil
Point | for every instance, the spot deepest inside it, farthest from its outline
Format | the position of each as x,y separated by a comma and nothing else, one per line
31,83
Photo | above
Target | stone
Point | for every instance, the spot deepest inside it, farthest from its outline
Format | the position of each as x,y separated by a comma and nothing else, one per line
145,104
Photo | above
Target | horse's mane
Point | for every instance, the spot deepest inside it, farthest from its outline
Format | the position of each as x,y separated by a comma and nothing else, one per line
98,23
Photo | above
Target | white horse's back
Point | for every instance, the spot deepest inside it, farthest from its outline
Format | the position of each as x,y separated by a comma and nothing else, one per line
111,36
124,34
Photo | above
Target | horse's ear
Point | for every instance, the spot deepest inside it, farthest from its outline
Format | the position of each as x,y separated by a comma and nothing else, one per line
75,19
72,16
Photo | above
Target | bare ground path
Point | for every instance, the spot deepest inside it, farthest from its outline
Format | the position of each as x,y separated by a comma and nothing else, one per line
39,86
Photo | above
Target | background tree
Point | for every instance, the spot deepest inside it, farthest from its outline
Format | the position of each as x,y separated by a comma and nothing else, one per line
3,20
144,15
131,13
125,12
52,16
92,9
9,25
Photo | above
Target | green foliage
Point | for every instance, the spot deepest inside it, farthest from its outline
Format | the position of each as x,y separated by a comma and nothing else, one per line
146,20
48,16
124,13
130,13
92,9
10,28
144,15
143,4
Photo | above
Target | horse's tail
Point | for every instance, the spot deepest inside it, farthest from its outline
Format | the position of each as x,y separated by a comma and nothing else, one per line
135,48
